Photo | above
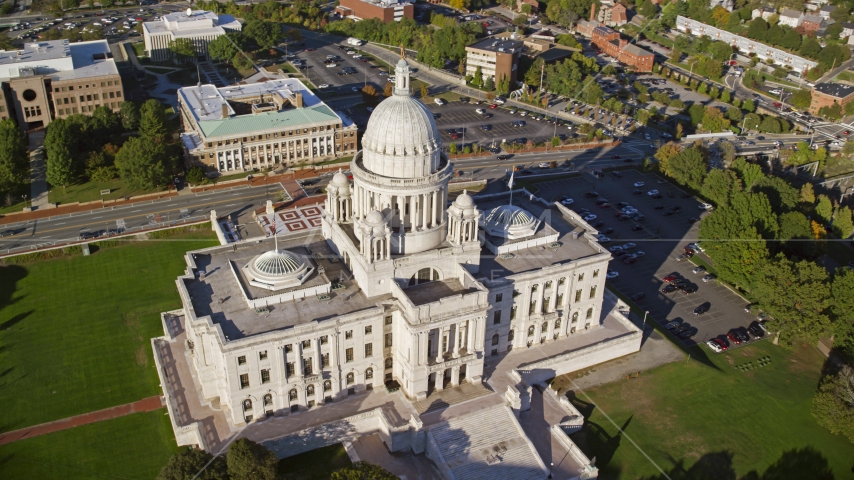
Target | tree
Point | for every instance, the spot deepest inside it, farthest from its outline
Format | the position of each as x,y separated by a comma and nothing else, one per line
791,40
725,96
749,173
809,48
478,77
389,90
423,90
452,148
824,209
647,9
833,404
734,114
183,48
842,305
665,153
796,235
264,33
688,168
770,124
751,121
223,47
748,105
59,143
757,28
185,465
248,460
362,471
842,224
142,163
14,158
714,121
104,121
807,193
696,112
152,120
774,35
489,84
678,133
718,184
727,151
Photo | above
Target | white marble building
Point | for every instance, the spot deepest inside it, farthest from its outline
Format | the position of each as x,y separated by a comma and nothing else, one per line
396,289
198,26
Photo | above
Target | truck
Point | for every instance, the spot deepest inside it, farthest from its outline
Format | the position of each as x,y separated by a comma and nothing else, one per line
354,41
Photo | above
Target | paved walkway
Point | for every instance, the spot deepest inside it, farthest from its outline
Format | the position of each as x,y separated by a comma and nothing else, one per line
38,170
144,405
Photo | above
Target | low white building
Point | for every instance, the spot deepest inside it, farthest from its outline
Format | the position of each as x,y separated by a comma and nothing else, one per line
792,18
745,45
763,12
199,26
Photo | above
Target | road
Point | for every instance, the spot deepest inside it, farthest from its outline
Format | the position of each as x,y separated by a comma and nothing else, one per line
238,203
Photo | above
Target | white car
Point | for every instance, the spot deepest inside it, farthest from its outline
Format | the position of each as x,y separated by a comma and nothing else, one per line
705,206
523,113
351,52
479,111
638,184
646,136
567,201
776,91
355,89
543,165
589,218
629,246
615,248
714,346
323,85
612,274
370,109
332,65
652,192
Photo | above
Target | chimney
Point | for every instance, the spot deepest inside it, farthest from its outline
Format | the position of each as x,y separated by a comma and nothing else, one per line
298,100
224,110
592,12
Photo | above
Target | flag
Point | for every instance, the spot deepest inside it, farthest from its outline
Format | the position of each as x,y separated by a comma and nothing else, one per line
510,183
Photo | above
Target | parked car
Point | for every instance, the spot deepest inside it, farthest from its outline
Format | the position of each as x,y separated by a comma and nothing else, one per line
698,270
638,296
638,184
720,343
733,337
612,274
714,346
702,308
709,278
668,288
705,206
670,278
689,289
673,325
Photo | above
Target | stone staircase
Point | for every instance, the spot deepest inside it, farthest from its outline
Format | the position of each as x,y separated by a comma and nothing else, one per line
452,396
487,445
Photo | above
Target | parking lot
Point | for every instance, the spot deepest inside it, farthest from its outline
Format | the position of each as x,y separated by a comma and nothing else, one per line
315,52
662,239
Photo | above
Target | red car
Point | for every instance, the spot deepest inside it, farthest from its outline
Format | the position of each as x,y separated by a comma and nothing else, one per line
670,277
733,338
721,343
309,49
777,104
494,105
846,132
605,205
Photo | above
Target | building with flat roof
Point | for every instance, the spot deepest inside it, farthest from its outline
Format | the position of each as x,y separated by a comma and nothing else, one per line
610,13
199,26
261,125
497,58
827,93
613,45
385,10
746,45
55,79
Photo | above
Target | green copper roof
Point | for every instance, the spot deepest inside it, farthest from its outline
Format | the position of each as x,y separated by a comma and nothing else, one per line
269,120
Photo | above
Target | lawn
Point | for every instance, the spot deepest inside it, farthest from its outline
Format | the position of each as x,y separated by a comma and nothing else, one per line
139,49
316,464
703,418
133,446
18,202
160,69
90,191
74,331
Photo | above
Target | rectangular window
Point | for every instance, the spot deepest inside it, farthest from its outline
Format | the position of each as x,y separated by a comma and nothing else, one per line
82,99
560,299
348,334
546,304
265,375
580,277
306,344
244,380
578,295
324,360
262,355
119,94
388,320
289,348
496,317
549,284
595,273
307,365
387,339
368,330
593,291
369,349
498,297
513,312
348,354
324,340
561,281
289,369
241,360
111,95
89,98
532,308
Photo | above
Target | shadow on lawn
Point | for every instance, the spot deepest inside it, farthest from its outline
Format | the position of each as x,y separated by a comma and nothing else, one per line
801,463
9,277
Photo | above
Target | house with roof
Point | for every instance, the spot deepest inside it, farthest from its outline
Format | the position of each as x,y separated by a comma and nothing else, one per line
620,49
762,12
826,94
792,18
847,30
826,10
810,24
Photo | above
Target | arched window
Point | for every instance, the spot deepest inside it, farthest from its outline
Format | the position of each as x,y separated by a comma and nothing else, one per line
350,378
292,395
590,313
247,405
309,391
268,399
545,327
557,324
531,331
327,386
426,274
388,362
510,336
495,339
574,317
369,374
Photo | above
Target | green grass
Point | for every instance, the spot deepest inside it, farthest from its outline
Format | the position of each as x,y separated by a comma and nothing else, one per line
335,161
160,69
133,446
139,49
90,191
728,419
74,331
531,185
17,201
316,464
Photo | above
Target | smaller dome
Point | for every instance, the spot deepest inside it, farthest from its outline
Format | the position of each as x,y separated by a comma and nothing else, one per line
278,262
374,218
510,221
340,180
464,200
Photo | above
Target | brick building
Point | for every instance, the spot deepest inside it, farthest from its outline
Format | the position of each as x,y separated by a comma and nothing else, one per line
610,14
827,93
810,24
614,46
385,10
497,58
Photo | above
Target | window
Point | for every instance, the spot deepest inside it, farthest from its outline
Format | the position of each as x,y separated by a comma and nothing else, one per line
309,391
595,273
532,307
387,339
593,291
369,374
306,344
307,364
388,320
292,395
348,354
545,327
561,281
510,336
498,297
495,339
549,284
327,386
580,277
531,331
368,330
546,303
265,375
534,288
262,355
560,299
348,334
289,368
289,348
496,317
247,405
244,380
513,312
369,349
268,400
389,362
557,324
590,313
578,295
324,340
350,378
241,360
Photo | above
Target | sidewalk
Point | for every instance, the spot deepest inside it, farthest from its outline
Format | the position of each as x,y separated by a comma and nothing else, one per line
144,405
38,171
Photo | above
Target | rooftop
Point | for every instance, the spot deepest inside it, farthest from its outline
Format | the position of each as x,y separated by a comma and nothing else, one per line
498,45
59,59
433,291
219,295
636,50
837,90
788,12
192,22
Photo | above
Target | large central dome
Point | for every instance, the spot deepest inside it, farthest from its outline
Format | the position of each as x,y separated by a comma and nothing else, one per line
401,140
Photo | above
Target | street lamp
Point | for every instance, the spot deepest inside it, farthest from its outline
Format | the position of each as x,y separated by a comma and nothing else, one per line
644,318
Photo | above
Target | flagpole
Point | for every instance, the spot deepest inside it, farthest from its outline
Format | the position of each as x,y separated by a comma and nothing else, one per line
510,184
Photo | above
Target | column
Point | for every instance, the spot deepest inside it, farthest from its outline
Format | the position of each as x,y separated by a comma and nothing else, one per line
298,360
333,351
424,200
455,376
401,213
388,246
439,384
423,355
456,339
439,337
317,364
413,218
472,333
